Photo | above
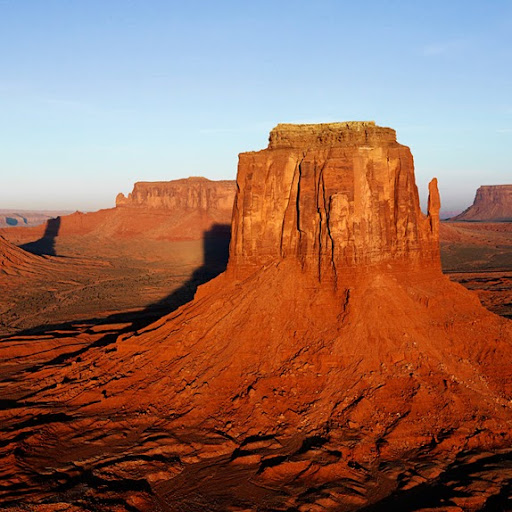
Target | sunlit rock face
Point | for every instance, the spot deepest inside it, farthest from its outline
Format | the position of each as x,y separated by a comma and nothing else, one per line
493,203
190,193
331,367
184,209
333,196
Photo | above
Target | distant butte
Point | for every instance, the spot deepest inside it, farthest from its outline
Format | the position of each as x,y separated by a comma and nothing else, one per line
195,193
493,203
331,367
182,209
148,253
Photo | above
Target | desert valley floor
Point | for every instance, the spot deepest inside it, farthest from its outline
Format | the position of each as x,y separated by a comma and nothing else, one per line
122,286
90,280
274,356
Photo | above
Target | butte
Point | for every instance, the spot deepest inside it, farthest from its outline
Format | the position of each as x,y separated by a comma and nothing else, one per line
332,366
493,203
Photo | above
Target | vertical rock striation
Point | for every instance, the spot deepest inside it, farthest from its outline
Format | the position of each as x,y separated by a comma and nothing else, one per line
274,389
195,193
335,197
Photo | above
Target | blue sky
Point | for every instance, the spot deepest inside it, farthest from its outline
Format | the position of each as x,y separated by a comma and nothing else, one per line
95,95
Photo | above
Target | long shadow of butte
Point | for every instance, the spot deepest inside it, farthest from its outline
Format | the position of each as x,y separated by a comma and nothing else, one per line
215,258
46,244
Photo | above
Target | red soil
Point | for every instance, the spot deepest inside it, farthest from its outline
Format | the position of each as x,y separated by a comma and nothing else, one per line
331,367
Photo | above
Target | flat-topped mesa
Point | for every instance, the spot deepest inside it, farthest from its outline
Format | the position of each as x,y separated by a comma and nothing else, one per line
330,134
184,194
334,197
493,203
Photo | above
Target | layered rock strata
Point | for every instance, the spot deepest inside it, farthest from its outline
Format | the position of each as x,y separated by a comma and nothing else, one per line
331,367
493,203
195,193
173,210
14,260
334,196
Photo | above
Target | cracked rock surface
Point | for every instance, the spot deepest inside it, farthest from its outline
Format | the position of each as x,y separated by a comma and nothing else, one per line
331,367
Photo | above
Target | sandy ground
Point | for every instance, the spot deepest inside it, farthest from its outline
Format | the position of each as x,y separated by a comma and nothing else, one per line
104,289
94,280
108,280
479,256
98,290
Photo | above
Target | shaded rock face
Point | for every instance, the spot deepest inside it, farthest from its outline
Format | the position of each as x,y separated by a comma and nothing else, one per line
333,196
190,193
493,203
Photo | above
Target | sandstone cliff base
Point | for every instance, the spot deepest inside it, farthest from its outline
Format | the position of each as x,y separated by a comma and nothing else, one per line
331,367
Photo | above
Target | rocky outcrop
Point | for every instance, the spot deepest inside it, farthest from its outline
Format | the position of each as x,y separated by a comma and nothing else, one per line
195,193
331,367
14,260
173,210
333,196
493,203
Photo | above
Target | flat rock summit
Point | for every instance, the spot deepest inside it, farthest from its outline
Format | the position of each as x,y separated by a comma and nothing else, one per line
196,193
493,203
181,209
331,367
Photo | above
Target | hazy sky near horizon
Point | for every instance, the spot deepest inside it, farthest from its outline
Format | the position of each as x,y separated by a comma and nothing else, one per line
96,95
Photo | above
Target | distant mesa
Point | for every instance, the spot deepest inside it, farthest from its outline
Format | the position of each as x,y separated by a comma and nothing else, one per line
182,209
333,339
195,193
493,203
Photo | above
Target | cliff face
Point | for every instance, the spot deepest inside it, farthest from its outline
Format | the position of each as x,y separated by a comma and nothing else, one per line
186,194
493,203
274,389
333,196
171,210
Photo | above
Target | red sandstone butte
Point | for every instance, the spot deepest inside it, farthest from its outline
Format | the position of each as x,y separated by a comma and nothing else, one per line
334,196
182,209
331,367
194,193
493,203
